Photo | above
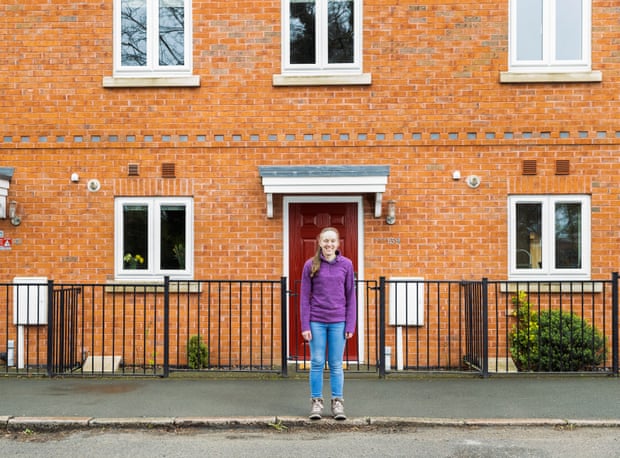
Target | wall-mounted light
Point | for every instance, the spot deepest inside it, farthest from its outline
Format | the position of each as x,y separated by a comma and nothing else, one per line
15,219
391,212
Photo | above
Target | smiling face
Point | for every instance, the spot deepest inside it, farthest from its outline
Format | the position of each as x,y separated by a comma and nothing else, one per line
329,241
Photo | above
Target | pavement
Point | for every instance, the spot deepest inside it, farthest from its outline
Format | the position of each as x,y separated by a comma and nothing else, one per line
273,401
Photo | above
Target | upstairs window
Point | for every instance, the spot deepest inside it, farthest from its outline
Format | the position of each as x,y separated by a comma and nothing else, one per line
153,238
549,237
550,35
152,37
322,36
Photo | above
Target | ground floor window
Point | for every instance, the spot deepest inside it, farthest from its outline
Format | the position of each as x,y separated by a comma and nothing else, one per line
549,237
153,237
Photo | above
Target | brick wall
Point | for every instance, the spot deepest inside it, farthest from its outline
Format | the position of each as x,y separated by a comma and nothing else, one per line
434,106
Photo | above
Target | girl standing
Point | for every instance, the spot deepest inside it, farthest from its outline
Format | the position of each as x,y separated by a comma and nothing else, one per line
328,315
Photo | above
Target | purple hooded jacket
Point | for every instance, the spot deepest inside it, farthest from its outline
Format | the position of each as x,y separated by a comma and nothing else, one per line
329,297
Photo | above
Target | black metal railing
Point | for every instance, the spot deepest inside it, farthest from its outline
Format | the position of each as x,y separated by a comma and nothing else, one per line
143,329
479,326
404,325
434,326
361,352
23,327
564,326
476,324
62,333
242,325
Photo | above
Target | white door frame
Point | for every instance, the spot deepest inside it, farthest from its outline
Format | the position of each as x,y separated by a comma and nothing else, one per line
286,201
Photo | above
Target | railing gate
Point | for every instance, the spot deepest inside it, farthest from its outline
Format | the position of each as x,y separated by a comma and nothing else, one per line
475,299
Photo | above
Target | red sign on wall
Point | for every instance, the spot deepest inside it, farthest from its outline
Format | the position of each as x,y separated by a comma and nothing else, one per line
6,244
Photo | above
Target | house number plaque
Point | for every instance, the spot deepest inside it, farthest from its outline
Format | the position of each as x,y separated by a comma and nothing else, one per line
389,240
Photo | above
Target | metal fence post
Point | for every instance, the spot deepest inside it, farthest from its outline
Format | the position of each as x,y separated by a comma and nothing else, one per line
614,321
381,352
485,327
284,326
50,328
166,326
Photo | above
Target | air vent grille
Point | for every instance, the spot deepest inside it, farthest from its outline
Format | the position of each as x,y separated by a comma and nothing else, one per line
529,167
168,170
562,167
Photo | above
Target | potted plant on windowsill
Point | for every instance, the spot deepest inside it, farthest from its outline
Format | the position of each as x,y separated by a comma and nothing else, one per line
133,261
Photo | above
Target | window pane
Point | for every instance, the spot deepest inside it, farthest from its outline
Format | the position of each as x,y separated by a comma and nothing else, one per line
135,237
568,236
133,32
340,18
569,30
302,32
171,32
529,241
172,243
529,29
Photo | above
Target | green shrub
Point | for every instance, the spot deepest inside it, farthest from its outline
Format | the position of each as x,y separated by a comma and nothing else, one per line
553,340
197,353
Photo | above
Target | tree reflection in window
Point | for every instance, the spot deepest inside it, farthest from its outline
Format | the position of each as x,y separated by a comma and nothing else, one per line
133,33
304,30
568,236
303,39
135,26
340,32
171,32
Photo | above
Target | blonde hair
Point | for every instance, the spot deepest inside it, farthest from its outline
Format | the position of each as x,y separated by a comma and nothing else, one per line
316,259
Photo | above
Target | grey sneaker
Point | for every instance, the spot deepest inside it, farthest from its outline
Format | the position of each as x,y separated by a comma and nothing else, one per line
316,409
338,409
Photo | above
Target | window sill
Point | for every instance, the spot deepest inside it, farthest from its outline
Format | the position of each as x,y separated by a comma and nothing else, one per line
160,81
569,77
575,287
362,79
137,286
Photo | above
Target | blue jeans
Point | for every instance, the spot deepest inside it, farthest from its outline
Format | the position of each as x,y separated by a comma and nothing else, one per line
330,337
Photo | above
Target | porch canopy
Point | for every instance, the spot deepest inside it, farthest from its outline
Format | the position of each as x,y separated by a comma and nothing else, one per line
325,179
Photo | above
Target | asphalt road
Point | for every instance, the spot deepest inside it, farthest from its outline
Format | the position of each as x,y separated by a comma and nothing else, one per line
495,442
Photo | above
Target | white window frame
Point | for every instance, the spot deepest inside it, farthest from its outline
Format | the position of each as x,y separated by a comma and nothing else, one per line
548,271
153,273
153,69
322,67
549,64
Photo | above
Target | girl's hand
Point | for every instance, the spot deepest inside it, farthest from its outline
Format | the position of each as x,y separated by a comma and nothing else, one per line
307,335
348,335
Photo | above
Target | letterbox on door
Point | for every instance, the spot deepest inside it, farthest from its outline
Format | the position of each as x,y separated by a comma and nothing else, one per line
29,300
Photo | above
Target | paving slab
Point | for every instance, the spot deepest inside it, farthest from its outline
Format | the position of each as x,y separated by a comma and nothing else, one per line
273,401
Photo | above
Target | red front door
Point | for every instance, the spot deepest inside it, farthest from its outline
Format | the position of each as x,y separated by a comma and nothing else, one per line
305,222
